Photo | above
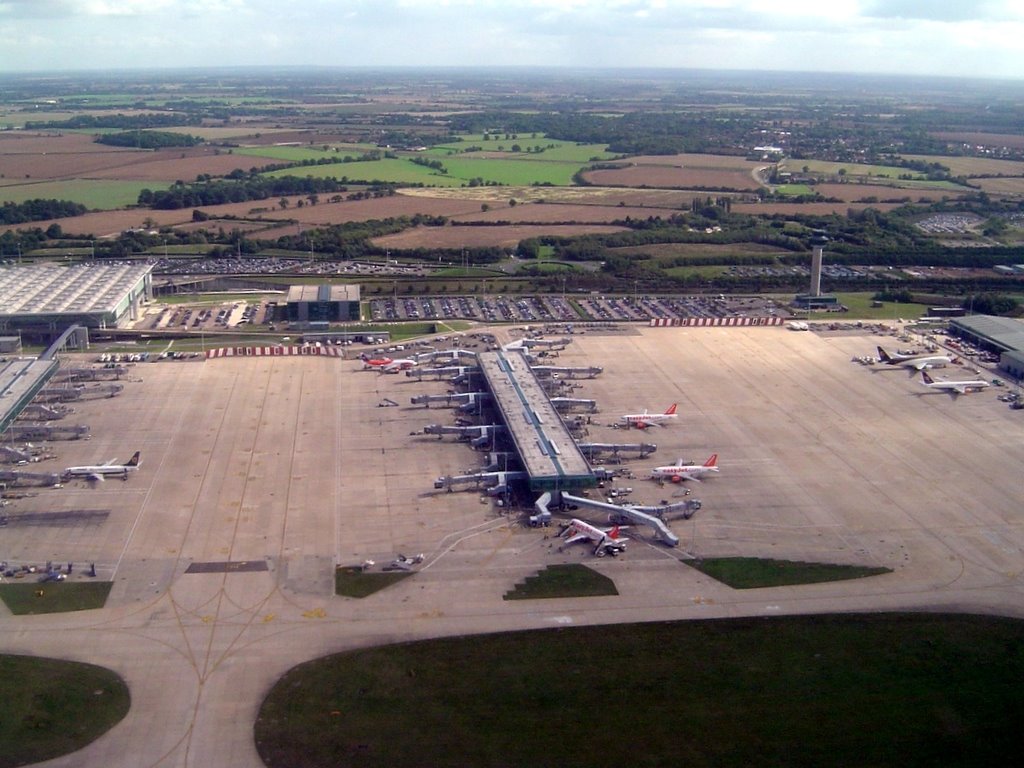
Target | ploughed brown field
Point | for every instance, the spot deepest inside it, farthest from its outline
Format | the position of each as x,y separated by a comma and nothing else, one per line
76,155
668,250
561,213
482,237
682,171
813,209
852,193
683,177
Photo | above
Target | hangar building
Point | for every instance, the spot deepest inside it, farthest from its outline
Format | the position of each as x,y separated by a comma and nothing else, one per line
42,301
1002,335
323,303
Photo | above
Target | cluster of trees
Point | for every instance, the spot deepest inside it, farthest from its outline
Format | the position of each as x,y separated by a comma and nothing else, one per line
39,210
218,192
148,139
118,121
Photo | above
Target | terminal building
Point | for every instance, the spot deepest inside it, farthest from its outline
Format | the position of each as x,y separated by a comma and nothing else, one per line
552,459
40,302
1001,335
323,303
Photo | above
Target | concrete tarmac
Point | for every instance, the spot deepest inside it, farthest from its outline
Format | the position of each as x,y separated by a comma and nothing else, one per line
289,466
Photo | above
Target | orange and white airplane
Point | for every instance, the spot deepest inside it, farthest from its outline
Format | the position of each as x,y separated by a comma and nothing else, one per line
606,542
374,362
679,471
397,365
645,419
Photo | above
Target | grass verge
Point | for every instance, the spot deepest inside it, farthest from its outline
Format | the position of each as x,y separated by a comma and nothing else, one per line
353,581
881,690
54,707
572,580
54,596
755,572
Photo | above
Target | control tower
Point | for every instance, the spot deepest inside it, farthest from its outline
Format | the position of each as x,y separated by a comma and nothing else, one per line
818,241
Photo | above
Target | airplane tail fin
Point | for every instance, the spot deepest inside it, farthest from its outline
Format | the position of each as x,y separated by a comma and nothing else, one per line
884,356
926,379
713,461
671,410
134,460
613,534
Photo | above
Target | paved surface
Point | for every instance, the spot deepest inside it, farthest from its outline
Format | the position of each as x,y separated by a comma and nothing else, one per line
290,462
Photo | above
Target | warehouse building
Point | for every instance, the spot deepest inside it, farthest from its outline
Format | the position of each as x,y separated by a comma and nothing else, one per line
323,303
41,301
1001,335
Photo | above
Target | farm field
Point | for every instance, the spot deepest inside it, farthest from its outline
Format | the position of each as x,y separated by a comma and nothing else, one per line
812,209
560,213
974,166
698,250
482,237
93,193
561,151
849,169
858,190
1008,185
674,177
293,154
388,170
669,199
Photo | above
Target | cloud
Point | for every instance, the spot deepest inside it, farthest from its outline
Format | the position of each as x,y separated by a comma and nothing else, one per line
945,12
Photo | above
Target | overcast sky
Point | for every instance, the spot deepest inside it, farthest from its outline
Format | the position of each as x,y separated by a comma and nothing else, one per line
971,38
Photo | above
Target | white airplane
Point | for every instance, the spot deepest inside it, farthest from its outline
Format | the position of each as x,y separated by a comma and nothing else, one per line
953,387
645,419
918,362
98,471
606,542
679,471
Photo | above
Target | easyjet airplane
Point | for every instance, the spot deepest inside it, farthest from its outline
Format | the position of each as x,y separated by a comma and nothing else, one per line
645,419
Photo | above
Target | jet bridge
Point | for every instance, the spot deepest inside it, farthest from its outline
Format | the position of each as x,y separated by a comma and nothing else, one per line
549,455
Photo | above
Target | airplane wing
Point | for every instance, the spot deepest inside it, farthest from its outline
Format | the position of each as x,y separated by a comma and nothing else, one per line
577,537
97,477
109,463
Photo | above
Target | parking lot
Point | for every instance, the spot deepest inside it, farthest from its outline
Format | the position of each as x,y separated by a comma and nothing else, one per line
571,308
290,465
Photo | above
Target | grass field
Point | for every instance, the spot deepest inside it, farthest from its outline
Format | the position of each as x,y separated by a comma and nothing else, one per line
95,194
861,309
561,151
53,707
355,582
873,690
754,573
795,190
572,580
296,154
390,170
461,169
851,169
29,598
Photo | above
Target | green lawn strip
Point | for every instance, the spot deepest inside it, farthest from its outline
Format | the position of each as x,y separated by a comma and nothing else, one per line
756,572
571,580
873,690
355,582
34,597
53,707
860,307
